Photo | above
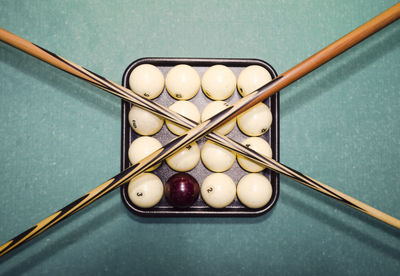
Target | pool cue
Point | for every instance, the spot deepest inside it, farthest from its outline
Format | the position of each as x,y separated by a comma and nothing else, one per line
230,112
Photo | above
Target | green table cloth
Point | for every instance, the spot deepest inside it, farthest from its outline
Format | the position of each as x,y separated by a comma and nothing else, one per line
60,137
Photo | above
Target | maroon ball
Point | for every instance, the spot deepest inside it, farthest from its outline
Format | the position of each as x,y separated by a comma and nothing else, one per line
181,190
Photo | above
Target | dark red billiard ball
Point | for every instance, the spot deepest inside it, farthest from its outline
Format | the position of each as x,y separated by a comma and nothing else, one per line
181,190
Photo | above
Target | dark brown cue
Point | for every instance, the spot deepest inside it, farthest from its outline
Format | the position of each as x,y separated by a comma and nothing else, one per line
202,129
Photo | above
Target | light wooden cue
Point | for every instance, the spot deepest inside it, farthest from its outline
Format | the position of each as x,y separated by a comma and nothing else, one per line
230,112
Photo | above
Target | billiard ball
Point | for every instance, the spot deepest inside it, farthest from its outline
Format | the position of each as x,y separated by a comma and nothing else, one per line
256,120
218,82
260,146
182,82
217,158
182,190
141,148
144,122
145,190
218,190
254,190
147,80
185,159
186,109
251,78
213,108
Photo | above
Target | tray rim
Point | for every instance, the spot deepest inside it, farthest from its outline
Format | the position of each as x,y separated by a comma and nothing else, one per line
211,212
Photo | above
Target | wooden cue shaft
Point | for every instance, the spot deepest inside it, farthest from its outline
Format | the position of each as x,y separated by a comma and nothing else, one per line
230,112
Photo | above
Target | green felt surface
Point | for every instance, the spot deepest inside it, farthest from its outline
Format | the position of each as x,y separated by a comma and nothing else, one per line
60,137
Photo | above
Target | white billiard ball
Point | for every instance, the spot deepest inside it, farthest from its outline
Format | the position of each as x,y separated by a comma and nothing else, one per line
217,158
144,122
143,147
213,108
218,82
182,82
252,78
145,190
256,120
218,190
254,190
185,159
260,146
186,109
147,80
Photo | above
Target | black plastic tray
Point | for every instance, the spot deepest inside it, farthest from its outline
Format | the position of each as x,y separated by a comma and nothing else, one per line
200,208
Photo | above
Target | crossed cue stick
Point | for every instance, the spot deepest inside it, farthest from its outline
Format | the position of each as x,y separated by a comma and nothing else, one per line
196,131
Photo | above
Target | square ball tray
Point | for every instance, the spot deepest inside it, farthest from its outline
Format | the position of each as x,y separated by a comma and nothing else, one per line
200,172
